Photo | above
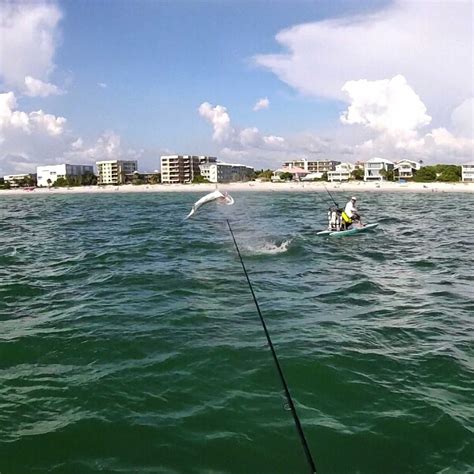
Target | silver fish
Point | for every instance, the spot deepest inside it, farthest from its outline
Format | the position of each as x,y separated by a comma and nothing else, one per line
214,196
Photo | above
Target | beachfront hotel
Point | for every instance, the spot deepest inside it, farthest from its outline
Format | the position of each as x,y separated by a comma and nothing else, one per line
182,169
114,171
217,172
318,166
467,170
374,167
49,174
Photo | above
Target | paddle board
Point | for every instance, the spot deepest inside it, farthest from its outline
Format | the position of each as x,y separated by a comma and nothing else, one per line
352,231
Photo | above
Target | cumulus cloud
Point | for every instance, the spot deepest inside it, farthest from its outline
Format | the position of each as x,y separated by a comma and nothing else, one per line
261,104
30,36
36,88
102,85
12,120
220,120
107,147
29,139
388,105
229,136
397,117
430,43
252,146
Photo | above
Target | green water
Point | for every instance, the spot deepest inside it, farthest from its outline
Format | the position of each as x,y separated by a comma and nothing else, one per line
129,341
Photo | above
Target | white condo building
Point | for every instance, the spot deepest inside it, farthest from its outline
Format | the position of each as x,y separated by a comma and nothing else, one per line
114,171
405,169
374,166
343,172
49,174
217,172
315,166
17,180
468,172
177,169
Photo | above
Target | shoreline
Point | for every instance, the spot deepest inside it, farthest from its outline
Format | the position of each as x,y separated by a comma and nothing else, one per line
252,186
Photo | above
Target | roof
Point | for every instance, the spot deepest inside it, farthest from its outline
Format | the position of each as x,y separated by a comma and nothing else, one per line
293,170
379,160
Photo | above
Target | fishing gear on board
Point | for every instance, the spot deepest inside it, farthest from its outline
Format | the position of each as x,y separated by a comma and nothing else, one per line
289,399
345,221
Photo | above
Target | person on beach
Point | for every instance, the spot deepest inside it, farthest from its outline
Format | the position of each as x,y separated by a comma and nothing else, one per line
350,214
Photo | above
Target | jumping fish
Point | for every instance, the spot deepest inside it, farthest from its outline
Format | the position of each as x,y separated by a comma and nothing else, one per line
214,196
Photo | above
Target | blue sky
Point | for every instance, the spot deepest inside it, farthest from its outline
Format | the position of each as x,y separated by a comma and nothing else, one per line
161,60
118,79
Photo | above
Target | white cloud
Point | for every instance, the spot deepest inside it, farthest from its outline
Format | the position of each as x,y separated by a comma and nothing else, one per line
102,85
226,134
107,147
389,107
261,104
430,43
77,144
274,141
29,139
12,120
400,69
36,88
462,118
29,37
26,138
220,120
396,116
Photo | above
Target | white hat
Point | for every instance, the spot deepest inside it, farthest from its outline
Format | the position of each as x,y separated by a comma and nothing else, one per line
353,198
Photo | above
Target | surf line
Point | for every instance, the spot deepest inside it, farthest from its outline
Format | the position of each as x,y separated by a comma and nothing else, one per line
296,419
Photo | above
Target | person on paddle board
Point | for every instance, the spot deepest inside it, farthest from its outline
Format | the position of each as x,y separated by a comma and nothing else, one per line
350,214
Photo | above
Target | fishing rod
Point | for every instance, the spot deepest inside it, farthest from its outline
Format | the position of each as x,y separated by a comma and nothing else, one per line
330,195
291,405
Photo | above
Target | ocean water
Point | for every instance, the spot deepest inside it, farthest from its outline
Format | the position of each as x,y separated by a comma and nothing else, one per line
129,340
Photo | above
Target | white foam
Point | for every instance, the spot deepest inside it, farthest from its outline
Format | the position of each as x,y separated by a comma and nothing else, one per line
269,247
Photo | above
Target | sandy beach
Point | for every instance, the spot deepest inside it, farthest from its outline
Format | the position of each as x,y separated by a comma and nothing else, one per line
352,187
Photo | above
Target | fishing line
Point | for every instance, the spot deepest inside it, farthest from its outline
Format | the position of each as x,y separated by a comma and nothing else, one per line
291,405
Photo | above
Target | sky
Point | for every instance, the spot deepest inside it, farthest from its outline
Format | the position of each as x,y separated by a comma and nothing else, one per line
251,82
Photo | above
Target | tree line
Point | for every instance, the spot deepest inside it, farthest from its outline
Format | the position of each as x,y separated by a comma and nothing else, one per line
441,173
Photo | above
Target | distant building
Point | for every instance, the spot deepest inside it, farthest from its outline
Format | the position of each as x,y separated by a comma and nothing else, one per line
343,172
177,169
114,171
319,166
207,159
468,172
297,172
405,169
148,177
373,168
49,174
20,180
217,172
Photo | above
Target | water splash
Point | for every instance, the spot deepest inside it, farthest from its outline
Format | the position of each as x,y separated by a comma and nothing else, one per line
268,248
